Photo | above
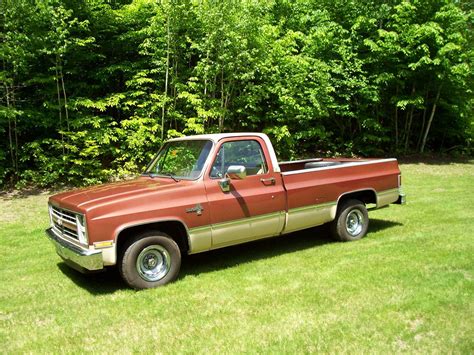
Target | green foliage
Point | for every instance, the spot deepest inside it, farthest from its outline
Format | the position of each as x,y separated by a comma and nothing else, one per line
90,89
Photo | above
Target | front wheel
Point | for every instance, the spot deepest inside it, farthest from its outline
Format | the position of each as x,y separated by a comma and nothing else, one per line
351,222
150,259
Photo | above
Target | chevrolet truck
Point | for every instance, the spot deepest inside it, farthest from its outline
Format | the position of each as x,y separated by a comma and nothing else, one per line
206,192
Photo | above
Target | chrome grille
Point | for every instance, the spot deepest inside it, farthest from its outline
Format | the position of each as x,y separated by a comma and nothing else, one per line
67,224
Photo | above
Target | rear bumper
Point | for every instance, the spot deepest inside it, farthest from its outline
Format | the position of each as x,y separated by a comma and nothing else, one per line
78,258
402,199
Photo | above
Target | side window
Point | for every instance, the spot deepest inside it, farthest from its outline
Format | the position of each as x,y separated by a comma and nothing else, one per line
248,153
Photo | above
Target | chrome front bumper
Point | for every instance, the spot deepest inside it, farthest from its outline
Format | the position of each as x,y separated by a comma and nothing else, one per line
76,257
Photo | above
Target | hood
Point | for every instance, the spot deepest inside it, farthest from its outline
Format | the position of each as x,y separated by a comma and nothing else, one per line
91,197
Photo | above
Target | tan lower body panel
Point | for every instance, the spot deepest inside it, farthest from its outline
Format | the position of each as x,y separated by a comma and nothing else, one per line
270,225
247,229
200,239
266,225
387,197
109,255
235,232
310,216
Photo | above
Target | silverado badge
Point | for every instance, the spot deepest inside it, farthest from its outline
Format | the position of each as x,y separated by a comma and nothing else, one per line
197,209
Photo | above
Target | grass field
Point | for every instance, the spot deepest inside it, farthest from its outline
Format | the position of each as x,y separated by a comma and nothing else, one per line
408,286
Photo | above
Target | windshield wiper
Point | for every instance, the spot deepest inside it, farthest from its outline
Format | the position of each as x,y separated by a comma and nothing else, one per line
152,175
165,173
162,173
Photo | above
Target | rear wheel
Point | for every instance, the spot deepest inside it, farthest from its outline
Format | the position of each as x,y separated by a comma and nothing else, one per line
351,222
149,260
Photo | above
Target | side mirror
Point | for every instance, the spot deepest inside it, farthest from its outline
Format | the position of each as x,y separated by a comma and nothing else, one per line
234,172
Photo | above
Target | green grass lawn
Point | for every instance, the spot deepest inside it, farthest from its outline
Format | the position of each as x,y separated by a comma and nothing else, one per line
408,286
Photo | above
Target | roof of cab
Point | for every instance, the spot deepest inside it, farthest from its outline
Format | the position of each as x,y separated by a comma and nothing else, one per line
215,137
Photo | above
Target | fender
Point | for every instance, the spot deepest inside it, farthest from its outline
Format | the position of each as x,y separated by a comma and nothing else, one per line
144,222
368,189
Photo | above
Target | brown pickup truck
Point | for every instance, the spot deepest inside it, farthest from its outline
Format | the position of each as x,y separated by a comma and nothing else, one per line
210,191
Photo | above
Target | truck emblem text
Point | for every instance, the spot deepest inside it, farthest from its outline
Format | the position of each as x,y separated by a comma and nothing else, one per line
197,209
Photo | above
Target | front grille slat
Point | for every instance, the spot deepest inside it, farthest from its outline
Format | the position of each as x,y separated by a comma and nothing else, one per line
70,233
64,222
65,215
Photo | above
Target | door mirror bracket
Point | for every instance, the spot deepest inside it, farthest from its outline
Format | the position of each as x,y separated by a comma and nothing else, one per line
224,184
234,172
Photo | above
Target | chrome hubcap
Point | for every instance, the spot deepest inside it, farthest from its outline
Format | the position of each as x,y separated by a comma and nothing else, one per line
354,222
153,263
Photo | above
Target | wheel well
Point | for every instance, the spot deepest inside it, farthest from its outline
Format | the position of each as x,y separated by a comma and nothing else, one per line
176,230
366,196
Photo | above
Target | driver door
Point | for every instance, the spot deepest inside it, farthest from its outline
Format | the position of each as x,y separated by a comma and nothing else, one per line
254,207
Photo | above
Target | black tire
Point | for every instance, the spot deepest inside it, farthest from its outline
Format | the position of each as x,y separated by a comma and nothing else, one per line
149,260
351,222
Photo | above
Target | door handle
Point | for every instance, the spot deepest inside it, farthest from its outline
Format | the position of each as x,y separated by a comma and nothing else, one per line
269,180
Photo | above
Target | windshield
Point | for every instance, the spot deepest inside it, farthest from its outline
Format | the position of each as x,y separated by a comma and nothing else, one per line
180,159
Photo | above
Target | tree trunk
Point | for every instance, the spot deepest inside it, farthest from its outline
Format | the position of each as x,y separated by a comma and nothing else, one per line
403,135
66,111
175,91
430,120
15,129
205,73
408,131
10,135
221,117
166,78
59,105
410,120
423,120
396,122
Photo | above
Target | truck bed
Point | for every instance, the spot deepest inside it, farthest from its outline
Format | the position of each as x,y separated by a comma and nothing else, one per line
314,187
314,163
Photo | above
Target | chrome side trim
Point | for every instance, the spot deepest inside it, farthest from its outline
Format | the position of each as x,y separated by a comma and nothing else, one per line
229,233
345,165
310,207
248,219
